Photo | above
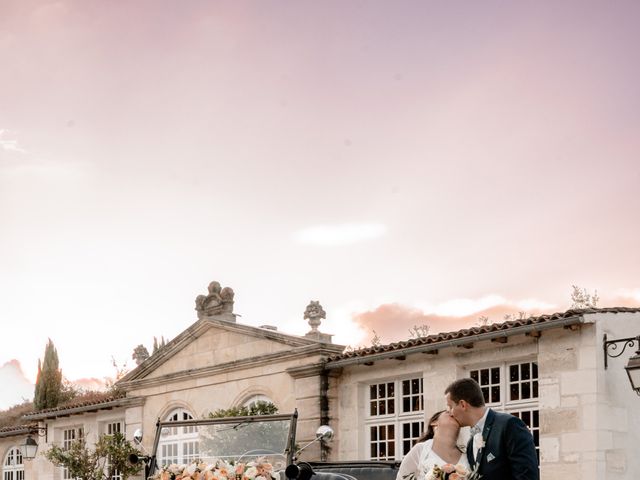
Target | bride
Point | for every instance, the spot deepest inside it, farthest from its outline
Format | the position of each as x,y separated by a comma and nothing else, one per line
439,448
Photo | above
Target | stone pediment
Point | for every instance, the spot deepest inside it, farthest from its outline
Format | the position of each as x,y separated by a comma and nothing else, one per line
211,343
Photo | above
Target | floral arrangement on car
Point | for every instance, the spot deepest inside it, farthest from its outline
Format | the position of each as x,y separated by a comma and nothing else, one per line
218,470
452,472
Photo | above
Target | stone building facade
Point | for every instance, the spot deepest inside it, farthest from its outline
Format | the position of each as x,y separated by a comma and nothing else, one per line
549,370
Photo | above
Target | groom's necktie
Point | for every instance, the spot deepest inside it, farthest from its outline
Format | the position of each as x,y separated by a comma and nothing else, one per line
474,450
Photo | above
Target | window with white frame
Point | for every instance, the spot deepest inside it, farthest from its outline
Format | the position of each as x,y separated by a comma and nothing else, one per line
13,466
395,417
513,388
111,428
178,444
70,435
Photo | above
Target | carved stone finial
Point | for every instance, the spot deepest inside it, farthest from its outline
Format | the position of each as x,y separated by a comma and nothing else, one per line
218,301
314,313
140,354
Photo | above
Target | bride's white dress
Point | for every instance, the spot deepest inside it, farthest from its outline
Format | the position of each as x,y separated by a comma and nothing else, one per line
421,459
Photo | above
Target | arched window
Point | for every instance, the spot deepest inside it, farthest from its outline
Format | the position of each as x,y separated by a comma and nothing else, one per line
178,444
256,398
13,466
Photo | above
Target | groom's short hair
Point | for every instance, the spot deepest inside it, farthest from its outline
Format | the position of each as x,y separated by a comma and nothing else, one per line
466,389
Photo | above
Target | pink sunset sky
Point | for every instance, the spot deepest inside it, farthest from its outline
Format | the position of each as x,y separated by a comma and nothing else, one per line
401,162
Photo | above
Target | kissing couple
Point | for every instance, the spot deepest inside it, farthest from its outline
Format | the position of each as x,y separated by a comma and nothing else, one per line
500,446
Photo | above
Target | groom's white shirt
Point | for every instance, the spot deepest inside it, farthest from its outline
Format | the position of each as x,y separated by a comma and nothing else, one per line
479,427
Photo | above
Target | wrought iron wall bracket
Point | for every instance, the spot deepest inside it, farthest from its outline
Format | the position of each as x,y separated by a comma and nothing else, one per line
40,431
611,347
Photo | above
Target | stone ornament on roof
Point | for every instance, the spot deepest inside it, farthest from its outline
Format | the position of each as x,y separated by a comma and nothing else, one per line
218,301
314,313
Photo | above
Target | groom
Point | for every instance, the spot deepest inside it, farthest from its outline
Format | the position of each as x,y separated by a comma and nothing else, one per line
500,442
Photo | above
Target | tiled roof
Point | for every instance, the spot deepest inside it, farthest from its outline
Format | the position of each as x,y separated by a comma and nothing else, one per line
16,430
101,402
511,327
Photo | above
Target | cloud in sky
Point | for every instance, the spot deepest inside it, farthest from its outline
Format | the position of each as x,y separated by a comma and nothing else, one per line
17,387
90,383
10,145
461,307
393,321
466,306
343,234
22,389
626,297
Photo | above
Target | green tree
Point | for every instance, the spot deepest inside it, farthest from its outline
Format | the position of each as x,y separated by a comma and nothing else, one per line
157,346
255,408
110,457
49,380
69,391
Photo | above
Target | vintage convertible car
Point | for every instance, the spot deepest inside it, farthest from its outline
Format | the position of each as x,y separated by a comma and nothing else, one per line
191,449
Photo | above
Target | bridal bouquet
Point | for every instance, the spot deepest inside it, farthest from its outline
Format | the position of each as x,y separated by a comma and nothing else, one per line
219,470
452,472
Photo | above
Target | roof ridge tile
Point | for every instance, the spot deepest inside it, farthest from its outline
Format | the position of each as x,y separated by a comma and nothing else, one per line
476,330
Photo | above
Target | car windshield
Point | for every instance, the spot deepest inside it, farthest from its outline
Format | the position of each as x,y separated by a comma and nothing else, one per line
233,439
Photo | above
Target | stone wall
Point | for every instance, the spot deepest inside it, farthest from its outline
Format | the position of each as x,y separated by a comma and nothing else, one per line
222,365
567,401
616,406
93,425
589,417
437,372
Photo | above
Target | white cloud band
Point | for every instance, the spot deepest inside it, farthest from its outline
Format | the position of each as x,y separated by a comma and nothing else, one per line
345,234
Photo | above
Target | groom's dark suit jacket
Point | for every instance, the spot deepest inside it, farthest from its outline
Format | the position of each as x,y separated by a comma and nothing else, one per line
509,452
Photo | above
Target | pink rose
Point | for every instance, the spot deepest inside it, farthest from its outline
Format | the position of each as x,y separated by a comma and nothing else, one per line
448,468
461,470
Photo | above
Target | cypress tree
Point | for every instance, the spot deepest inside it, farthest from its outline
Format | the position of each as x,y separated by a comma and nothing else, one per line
38,391
49,380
